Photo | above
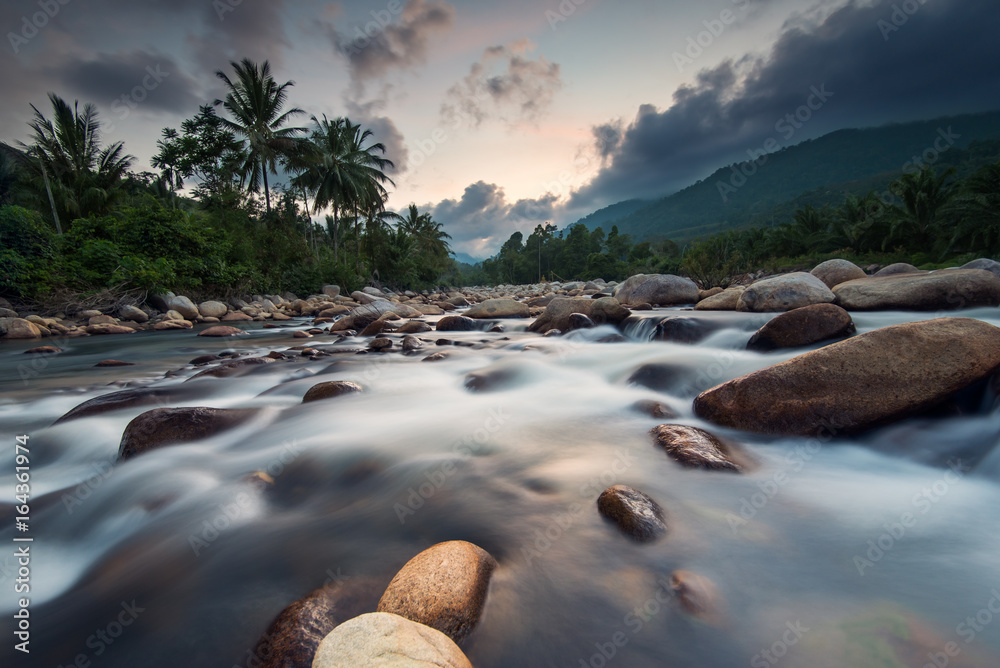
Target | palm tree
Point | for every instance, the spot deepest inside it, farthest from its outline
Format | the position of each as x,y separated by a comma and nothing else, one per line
255,101
924,195
79,176
976,211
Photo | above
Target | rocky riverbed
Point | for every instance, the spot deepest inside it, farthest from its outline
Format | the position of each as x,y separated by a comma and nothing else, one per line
794,471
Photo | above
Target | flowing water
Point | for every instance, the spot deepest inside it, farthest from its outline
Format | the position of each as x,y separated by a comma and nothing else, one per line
809,553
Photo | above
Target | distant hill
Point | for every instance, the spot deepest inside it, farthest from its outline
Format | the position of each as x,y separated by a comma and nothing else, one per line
816,172
465,258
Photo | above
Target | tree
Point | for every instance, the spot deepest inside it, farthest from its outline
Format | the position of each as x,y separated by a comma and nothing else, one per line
976,212
255,101
916,224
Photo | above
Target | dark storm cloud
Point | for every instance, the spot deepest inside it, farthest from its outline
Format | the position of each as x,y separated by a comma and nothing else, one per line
854,67
395,39
483,218
152,80
384,130
505,84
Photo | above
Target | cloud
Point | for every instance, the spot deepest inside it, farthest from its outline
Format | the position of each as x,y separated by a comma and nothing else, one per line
941,60
368,115
506,84
483,218
381,46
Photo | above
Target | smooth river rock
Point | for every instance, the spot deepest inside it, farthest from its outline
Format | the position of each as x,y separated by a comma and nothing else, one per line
167,426
18,328
222,330
897,269
866,381
331,389
557,315
698,596
945,290
635,513
803,327
658,290
387,641
443,587
213,309
696,448
727,300
184,306
117,401
457,323
498,308
835,272
784,293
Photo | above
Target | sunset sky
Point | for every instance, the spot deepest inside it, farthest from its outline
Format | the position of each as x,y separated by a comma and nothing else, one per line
503,115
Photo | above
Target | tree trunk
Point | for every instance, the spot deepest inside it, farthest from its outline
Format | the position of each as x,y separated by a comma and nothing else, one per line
52,201
336,237
267,191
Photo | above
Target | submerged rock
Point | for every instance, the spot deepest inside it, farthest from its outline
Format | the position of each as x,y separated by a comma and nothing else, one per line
233,368
43,350
695,448
168,426
443,587
868,380
635,513
331,389
117,401
802,327
389,641
698,596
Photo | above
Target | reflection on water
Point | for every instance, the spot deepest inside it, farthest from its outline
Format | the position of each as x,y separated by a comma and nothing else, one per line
199,559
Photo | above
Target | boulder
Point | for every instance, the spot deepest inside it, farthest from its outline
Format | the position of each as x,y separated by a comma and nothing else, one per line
172,324
636,514
658,290
579,321
161,302
443,587
457,323
168,426
117,401
498,308
985,264
388,641
222,330
366,298
415,327
18,328
331,290
211,309
185,307
695,448
868,380
705,294
411,343
606,310
7,313
333,311
897,269
380,345
784,293
234,368
132,313
174,315
727,300
945,290
103,329
835,272
331,389
685,329
43,350
236,316
803,327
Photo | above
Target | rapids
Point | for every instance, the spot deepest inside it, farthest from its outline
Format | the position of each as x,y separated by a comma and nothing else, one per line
198,562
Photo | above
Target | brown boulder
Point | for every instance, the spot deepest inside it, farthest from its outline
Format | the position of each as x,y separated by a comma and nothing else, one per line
498,308
457,323
443,587
415,327
222,330
388,641
172,324
43,350
727,300
835,272
897,269
802,327
331,389
868,380
168,426
946,290
117,401
784,293
236,316
695,448
18,328
635,513
557,313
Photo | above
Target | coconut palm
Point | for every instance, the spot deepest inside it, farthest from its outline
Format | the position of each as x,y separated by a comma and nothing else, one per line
924,194
255,101
976,211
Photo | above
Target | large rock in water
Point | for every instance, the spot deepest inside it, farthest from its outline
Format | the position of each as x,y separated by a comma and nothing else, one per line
443,587
784,293
457,323
986,264
835,272
122,399
897,269
635,513
865,381
18,328
212,309
697,449
498,308
388,641
657,289
184,306
606,310
803,327
727,300
167,426
945,290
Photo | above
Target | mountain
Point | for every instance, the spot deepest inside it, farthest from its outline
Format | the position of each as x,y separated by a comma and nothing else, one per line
465,258
744,194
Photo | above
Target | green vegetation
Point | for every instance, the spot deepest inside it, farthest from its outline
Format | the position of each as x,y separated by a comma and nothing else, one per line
74,218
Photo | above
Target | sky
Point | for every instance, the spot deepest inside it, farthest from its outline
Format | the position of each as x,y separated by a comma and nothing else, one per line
503,115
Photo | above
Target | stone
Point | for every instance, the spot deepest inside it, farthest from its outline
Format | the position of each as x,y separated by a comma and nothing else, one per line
835,272
113,363
18,328
784,293
97,330
174,315
117,401
185,307
381,344
985,264
379,326
443,587
415,327
654,409
436,357
7,313
236,316
727,300
636,514
657,289
331,389
606,310
946,290
685,329
161,302
430,309
705,294
234,368
366,298
457,323
896,270
212,309
43,350
133,314
388,641
695,448
331,290
803,327
698,596
411,343
865,381
86,315
169,426
498,308
579,321
291,640
458,300
172,324
302,335
222,330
